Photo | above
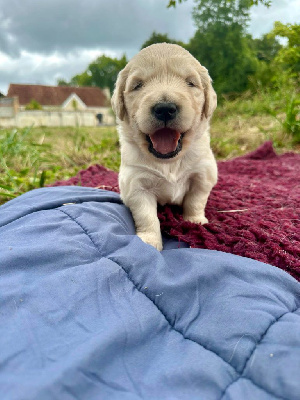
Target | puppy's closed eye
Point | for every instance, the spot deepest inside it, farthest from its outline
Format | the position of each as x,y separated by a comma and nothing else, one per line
137,85
192,82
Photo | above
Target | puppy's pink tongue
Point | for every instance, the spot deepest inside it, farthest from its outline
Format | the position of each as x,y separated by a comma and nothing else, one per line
165,140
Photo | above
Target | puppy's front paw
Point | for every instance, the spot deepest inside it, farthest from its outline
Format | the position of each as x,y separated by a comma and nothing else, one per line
152,239
196,219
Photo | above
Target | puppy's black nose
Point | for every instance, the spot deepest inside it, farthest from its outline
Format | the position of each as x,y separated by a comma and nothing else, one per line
165,111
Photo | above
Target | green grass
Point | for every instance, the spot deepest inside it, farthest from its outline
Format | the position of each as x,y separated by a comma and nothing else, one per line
34,157
234,135
241,125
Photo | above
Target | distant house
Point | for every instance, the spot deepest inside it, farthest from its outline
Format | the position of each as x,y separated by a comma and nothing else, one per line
60,105
60,96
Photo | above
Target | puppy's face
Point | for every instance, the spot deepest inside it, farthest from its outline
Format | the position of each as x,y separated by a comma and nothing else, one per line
162,95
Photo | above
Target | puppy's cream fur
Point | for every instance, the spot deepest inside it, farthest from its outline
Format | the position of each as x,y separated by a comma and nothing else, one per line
164,73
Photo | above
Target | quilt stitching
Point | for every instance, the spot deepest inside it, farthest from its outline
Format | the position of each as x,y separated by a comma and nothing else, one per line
134,284
243,377
33,211
84,230
250,356
36,209
240,375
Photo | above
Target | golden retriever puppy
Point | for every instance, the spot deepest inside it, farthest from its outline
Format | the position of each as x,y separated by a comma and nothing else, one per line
163,101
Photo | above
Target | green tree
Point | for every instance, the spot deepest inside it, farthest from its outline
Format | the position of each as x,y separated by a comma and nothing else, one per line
288,56
221,43
223,12
102,72
266,48
33,105
279,66
224,51
62,82
84,79
267,3
160,38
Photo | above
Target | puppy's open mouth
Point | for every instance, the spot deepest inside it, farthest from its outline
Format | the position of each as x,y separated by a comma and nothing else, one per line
165,143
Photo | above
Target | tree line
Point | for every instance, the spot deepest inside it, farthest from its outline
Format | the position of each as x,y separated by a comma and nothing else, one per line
235,60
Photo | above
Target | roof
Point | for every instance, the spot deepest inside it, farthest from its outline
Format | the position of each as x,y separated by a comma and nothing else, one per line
56,95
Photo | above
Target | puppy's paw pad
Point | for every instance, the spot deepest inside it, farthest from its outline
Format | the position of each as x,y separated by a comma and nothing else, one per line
151,239
196,219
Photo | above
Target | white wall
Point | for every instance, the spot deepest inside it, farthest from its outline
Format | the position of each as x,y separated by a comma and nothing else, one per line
8,107
57,118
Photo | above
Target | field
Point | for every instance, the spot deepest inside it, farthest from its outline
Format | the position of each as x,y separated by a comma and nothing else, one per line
34,157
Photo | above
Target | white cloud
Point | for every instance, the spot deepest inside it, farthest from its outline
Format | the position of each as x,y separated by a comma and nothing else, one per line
263,18
37,68
41,41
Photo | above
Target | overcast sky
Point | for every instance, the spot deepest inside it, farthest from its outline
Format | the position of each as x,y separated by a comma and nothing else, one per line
43,40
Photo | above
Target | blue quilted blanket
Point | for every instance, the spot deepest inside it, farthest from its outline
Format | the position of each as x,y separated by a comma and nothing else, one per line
89,311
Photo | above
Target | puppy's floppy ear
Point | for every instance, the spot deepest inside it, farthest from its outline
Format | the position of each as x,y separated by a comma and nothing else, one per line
209,94
117,100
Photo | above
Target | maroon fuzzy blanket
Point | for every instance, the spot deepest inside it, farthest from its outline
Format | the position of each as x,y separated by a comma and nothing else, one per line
253,211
